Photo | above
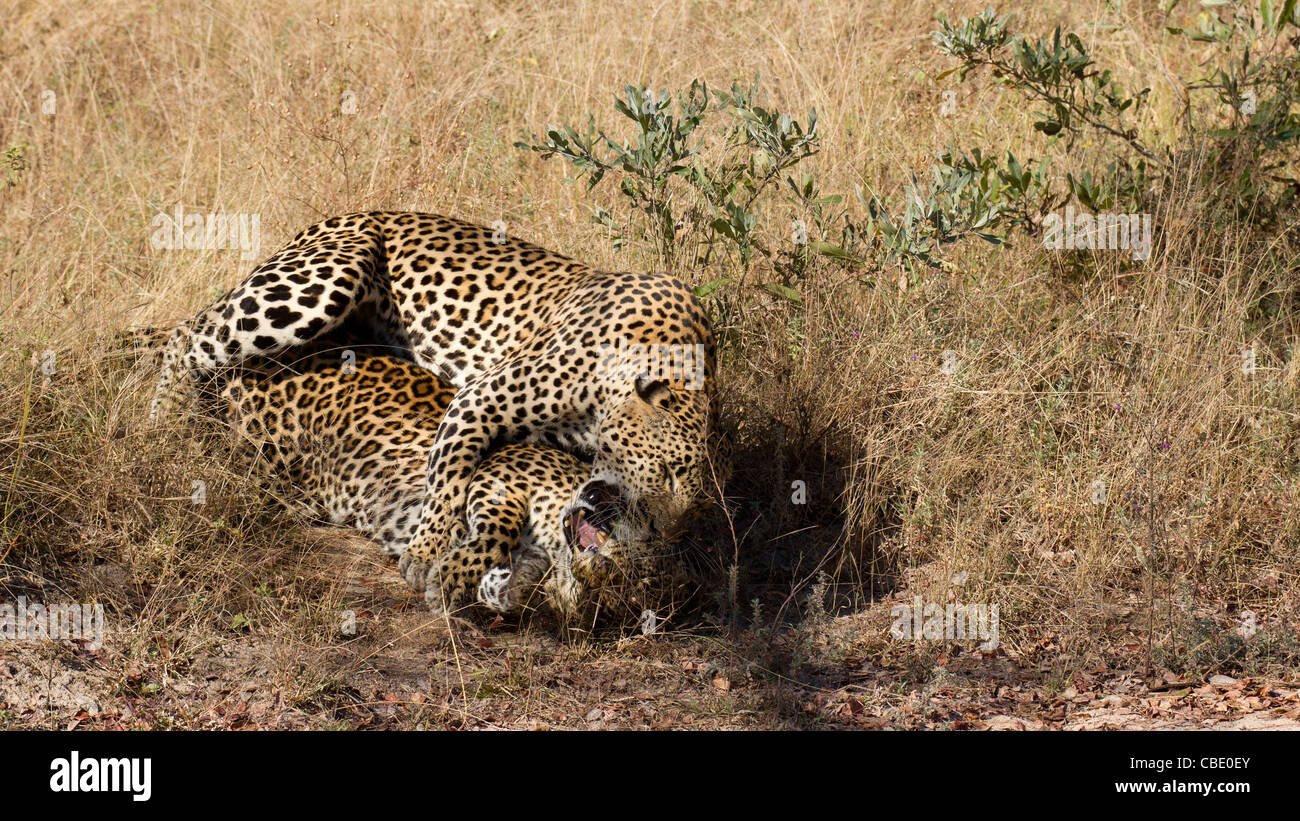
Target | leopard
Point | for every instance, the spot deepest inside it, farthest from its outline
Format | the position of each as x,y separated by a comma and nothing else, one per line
344,435
616,368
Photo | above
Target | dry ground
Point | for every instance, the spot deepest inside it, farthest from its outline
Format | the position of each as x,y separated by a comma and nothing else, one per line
974,488
404,670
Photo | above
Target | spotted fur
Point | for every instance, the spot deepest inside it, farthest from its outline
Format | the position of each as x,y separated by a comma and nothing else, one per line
523,333
351,435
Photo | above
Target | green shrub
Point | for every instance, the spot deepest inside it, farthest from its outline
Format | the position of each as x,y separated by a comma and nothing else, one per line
696,193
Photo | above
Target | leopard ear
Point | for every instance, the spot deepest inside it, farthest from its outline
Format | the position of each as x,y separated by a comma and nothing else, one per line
652,391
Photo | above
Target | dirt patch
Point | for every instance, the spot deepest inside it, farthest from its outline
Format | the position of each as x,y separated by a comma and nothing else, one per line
403,669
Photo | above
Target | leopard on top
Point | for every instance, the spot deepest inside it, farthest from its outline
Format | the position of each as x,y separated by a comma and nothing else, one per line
526,336
352,433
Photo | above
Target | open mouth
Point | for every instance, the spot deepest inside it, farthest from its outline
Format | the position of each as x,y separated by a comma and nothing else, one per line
589,521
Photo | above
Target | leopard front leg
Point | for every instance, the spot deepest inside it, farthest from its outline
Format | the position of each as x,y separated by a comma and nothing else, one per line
501,406
463,438
481,564
509,589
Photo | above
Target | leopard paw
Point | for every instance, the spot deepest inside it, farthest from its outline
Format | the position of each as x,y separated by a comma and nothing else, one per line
494,590
418,572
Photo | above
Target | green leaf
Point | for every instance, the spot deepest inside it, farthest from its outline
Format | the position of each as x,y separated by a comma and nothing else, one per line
783,291
1288,14
828,249
723,227
701,291
1269,13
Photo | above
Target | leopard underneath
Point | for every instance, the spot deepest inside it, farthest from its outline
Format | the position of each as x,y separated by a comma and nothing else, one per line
352,431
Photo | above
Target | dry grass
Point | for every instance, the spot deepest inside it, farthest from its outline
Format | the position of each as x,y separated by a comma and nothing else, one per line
974,488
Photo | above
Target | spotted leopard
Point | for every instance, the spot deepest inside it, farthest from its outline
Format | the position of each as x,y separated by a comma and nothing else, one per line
526,335
351,432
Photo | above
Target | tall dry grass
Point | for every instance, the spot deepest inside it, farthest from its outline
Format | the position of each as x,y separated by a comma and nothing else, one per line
974,487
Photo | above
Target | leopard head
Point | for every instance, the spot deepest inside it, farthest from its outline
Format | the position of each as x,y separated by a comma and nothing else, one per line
653,452
621,568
